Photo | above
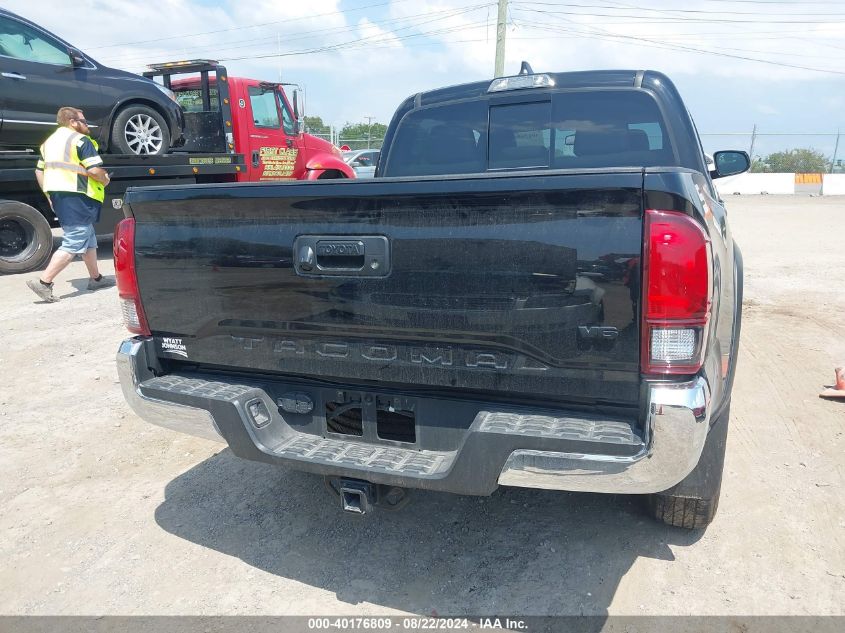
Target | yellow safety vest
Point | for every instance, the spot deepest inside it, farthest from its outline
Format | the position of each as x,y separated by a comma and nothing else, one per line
63,170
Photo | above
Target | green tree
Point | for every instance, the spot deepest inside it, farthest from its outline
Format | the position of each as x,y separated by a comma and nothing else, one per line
758,165
801,161
315,125
355,135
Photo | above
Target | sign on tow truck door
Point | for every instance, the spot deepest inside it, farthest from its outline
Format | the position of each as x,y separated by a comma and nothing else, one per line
269,157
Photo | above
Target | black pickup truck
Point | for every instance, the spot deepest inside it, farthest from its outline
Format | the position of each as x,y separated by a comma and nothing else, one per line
538,289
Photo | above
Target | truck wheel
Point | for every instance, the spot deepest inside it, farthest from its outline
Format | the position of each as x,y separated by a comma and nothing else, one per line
692,503
139,129
331,174
25,238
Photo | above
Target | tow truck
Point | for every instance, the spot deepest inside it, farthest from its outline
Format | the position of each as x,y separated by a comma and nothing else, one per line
236,130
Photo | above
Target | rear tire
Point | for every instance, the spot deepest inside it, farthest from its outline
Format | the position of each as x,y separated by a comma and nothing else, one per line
26,241
692,503
684,512
140,130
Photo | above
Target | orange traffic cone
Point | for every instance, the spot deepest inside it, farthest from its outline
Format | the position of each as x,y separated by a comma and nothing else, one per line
838,390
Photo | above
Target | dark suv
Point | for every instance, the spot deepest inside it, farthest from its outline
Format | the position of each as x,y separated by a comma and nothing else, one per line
39,73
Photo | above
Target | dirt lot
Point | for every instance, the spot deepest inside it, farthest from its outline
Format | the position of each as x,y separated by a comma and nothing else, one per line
105,514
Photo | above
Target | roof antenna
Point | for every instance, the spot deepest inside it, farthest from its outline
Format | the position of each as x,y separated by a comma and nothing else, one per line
525,69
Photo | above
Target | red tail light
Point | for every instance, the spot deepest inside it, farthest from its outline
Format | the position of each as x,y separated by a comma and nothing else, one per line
676,293
127,280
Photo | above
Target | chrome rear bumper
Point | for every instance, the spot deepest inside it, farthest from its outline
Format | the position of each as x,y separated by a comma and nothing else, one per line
675,433
190,420
678,421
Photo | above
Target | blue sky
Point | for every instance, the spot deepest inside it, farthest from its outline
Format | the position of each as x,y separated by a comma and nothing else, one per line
778,64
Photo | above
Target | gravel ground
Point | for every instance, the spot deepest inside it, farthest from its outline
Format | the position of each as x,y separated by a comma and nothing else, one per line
105,514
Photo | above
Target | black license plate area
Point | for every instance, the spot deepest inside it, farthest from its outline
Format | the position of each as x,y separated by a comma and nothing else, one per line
372,417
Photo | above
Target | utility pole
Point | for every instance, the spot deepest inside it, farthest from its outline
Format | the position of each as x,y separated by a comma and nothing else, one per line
279,50
835,151
753,138
501,24
369,125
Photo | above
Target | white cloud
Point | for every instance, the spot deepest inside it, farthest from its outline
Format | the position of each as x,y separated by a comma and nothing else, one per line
358,62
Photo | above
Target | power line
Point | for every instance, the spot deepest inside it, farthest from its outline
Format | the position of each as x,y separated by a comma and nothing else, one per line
215,49
650,19
671,11
602,34
789,2
360,43
248,26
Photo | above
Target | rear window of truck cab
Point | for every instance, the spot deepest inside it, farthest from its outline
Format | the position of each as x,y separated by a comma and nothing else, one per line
583,129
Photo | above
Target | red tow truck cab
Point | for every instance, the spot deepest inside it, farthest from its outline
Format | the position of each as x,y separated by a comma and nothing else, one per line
259,122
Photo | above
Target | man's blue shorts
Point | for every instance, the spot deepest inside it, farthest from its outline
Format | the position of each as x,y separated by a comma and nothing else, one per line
78,239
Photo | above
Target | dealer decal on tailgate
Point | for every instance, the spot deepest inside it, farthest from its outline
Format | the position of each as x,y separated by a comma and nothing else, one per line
174,346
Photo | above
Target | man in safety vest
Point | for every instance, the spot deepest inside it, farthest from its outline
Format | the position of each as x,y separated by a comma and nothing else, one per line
71,175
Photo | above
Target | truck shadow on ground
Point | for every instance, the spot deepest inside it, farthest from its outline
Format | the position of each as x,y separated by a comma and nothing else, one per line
517,552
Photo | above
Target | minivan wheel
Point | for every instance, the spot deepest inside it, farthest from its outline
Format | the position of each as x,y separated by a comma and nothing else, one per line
139,129
25,238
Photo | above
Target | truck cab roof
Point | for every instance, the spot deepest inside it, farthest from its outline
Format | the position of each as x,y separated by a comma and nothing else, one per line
532,106
561,81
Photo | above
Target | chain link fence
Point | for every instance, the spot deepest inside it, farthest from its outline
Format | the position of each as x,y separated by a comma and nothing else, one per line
353,143
757,142
760,143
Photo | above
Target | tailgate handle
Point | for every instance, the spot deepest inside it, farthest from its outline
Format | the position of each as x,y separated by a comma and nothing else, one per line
342,255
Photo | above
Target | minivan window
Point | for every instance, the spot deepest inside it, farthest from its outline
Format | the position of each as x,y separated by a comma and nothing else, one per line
23,42
265,111
574,129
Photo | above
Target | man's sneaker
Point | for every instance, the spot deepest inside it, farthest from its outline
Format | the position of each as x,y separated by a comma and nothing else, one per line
104,282
45,292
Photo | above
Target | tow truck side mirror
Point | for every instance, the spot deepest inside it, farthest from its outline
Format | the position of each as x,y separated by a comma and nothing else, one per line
297,122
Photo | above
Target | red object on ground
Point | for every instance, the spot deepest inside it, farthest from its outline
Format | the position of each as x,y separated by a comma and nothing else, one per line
838,389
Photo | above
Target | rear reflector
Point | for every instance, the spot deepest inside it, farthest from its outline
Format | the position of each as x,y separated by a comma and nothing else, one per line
127,279
676,293
672,345
131,318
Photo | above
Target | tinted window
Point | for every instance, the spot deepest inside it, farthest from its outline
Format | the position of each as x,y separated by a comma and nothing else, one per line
448,139
22,42
613,128
265,112
519,135
618,128
367,159
287,118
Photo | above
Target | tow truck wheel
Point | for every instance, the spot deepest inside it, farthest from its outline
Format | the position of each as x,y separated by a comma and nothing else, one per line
331,174
25,238
140,130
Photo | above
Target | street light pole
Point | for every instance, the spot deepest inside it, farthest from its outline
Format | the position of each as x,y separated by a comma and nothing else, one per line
369,125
